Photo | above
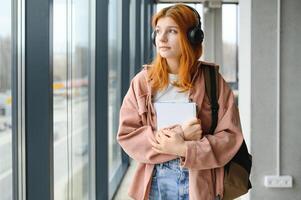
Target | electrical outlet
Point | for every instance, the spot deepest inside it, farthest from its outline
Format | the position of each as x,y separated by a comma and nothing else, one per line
278,181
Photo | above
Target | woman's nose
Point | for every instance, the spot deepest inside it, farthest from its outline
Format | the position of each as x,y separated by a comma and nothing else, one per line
163,37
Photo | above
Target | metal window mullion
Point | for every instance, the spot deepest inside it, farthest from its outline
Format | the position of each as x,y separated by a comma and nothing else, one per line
218,36
38,99
21,54
18,105
137,25
91,80
236,48
125,68
132,37
142,33
101,100
208,44
69,96
150,11
145,32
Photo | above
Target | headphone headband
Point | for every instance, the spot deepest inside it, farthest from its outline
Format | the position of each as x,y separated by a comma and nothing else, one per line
196,14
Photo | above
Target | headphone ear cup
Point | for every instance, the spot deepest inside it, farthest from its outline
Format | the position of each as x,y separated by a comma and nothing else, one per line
154,38
195,35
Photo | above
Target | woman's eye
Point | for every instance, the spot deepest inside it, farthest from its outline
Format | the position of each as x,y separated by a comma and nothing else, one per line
172,31
157,31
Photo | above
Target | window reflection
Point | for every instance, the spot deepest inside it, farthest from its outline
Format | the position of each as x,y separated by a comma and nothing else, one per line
229,36
5,102
60,111
71,66
114,35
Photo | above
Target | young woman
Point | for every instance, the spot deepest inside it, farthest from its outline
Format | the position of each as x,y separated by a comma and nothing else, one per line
182,161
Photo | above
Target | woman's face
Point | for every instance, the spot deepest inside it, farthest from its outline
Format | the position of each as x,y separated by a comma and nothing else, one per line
167,38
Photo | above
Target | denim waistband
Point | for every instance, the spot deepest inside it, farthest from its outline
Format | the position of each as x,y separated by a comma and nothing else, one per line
172,164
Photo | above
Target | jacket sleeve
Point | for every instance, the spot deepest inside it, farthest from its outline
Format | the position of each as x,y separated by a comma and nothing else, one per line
134,134
216,150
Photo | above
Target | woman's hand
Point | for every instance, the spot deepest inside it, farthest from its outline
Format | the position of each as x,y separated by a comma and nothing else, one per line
192,129
169,142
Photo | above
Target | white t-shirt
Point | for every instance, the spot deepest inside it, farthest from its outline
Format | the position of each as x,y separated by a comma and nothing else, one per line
171,93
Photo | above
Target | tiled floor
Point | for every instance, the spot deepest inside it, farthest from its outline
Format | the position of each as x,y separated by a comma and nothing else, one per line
122,193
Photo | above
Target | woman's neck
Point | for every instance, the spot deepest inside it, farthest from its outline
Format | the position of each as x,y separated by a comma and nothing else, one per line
173,66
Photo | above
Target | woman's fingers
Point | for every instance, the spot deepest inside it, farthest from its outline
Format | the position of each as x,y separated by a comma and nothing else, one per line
157,136
156,146
158,151
166,133
154,143
192,122
196,126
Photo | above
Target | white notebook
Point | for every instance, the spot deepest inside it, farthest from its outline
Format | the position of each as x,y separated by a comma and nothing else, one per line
171,113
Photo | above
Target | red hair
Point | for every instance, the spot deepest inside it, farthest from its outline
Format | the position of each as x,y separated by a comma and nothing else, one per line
185,18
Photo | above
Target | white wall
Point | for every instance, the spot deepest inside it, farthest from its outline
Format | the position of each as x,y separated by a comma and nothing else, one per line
257,92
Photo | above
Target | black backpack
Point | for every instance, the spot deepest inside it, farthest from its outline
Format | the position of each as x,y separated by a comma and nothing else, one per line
237,171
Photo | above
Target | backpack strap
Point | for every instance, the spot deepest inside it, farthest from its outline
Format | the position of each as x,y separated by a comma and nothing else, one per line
211,84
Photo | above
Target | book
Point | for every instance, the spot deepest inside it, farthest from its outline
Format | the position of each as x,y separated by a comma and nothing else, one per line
172,113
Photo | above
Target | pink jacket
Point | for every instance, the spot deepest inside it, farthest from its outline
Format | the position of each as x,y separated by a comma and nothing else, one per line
204,158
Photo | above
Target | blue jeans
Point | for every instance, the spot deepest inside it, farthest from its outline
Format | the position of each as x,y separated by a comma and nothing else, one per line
170,182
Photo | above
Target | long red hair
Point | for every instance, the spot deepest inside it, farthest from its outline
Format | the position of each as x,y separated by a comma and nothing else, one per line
185,18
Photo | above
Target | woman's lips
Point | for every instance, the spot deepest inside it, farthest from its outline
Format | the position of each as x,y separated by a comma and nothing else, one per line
164,48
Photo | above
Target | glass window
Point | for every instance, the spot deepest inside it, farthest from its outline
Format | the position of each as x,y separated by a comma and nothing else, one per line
229,67
71,66
60,102
114,62
133,38
5,101
160,6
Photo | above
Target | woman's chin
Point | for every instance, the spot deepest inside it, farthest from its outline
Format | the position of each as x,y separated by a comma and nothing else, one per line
167,56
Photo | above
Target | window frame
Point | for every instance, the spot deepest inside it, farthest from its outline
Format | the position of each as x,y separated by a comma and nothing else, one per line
38,130
18,100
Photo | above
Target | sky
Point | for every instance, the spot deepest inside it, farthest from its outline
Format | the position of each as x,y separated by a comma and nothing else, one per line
5,19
